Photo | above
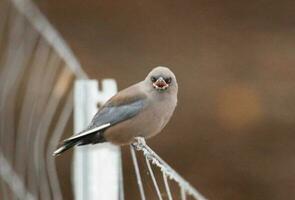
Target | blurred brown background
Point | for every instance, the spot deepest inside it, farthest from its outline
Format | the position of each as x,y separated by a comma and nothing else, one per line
232,135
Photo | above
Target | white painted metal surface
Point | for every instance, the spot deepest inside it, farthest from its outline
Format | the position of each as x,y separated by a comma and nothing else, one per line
96,169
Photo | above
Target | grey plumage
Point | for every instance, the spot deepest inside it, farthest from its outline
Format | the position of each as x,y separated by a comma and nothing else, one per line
142,110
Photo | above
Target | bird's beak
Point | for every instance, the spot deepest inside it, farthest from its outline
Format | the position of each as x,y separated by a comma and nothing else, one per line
160,84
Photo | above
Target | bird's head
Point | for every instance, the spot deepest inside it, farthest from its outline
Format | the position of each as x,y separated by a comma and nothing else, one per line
162,79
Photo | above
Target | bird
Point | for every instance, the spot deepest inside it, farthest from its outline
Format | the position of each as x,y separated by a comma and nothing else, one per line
141,110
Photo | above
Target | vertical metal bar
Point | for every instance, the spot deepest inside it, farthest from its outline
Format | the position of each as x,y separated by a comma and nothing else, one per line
137,172
153,178
167,186
96,168
182,193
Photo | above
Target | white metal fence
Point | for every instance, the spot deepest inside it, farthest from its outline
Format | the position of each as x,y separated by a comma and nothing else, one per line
37,72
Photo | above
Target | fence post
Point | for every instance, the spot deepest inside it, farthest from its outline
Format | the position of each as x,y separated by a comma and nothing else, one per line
96,168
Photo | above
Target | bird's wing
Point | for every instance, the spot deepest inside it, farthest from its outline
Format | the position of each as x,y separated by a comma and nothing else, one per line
123,106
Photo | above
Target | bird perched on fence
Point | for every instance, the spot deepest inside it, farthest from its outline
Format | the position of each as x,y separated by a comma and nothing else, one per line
141,110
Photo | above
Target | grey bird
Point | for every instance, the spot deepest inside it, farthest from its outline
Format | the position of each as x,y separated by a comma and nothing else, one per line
141,110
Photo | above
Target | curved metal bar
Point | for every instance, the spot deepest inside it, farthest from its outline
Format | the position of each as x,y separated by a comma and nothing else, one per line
40,23
53,143
22,127
13,181
47,84
42,130
10,81
32,112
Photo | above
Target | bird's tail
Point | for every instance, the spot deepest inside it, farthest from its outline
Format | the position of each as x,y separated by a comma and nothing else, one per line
64,147
89,136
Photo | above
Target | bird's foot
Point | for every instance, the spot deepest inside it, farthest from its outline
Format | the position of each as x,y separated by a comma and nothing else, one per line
139,143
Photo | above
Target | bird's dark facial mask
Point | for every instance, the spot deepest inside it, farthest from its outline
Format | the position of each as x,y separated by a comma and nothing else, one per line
161,84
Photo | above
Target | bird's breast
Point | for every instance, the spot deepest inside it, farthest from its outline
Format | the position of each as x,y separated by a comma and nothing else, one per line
149,122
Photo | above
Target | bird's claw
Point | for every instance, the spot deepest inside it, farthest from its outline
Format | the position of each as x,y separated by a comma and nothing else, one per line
139,143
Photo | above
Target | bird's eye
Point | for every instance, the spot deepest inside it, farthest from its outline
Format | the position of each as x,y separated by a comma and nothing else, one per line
153,79
168,80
